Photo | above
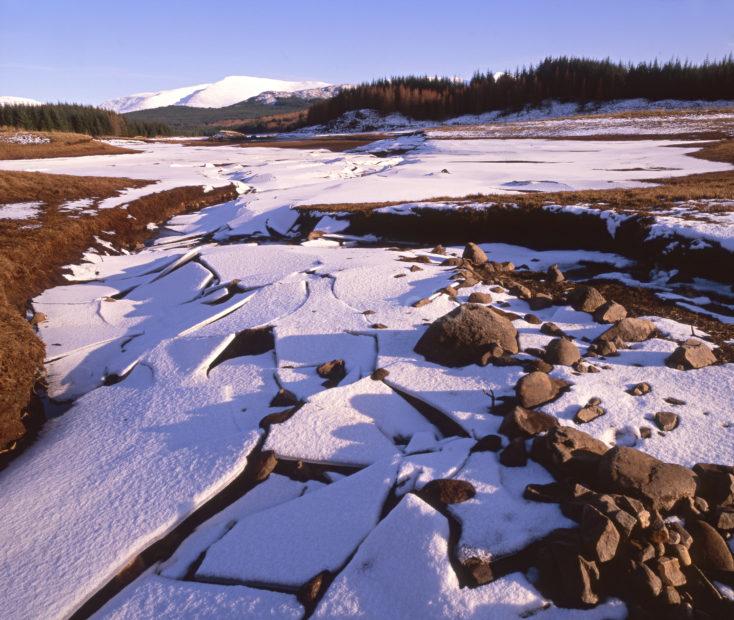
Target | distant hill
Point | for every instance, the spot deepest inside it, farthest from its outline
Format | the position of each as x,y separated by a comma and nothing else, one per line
185,120
5,100
224,93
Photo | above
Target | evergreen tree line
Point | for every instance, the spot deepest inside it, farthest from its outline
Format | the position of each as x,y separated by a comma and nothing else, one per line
78,119
565,79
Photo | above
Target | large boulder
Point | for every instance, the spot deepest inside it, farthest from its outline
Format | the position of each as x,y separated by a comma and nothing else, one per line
709,549
562,351
462,336
610,312
521,422
475,254
569,452
537,388
690,355
631,472
629,330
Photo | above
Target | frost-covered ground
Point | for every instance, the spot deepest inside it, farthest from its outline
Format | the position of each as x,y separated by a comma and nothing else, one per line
168,369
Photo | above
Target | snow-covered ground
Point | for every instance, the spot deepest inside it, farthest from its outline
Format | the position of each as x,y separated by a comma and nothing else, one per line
166,402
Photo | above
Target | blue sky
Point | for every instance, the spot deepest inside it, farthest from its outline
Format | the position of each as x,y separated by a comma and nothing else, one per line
88,51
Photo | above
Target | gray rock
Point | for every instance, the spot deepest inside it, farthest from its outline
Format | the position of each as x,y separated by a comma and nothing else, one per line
690,355
562,351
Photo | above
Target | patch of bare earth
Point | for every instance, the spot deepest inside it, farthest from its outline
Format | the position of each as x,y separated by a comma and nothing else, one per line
32,254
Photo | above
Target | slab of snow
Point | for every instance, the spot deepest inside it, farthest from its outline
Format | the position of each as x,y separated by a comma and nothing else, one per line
19,210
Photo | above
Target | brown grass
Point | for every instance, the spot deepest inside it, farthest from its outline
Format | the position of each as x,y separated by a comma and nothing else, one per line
61,145
31,259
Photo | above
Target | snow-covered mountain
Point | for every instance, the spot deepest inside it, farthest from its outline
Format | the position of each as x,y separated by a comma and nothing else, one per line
225,92
7,100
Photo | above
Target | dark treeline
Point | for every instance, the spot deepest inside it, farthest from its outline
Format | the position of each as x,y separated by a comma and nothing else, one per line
78,119
565,79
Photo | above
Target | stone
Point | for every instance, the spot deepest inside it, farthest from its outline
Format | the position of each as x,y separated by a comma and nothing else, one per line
520,290
631,472
569,452
610,312
447,491
670,596
666,420
310,591
452,262
379,374
640,551
474,253
478,570
724,518
598,534
533,319
264,465
606,349
439,249
640,389
537,388
685,538
540,365
378,326
629,330
588,414
460,337
645,432
480,298
284,398
691,355
715,483
681,553
586,298
562,351
636,508
555,274
488,443
449,290
551,493
668,569
415,268
551,329
515,454
645,583
334,371
522,422
540,301
575,576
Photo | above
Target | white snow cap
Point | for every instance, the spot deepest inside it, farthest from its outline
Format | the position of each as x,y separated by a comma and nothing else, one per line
8,100
227,91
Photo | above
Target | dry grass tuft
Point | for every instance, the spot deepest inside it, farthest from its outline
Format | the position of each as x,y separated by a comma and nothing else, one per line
61,145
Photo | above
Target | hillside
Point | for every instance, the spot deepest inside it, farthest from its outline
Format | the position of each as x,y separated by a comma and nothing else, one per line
196,121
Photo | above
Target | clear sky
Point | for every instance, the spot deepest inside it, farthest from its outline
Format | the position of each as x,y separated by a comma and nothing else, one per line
92,50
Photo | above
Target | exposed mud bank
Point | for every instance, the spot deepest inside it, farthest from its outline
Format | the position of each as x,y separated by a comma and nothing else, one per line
544,229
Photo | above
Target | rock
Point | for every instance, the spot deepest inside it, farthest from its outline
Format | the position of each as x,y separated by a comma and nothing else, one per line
461,337
284,398
645,583
532,319
636,508
310,591
598,534
468,281
610,312
523,422
586,299
422,302
452,262
690,355
514,455
540,301
447,491
629,330
708,550
715,483
668,569
562,351
334,371
666,420
632,472
493,353
414,268
488,443
640,389
569,452
606,349
474,253
555,274
588,413
378,326
536,388
449,290
724,518
520,290
439,249
480,298
670,596
478,570
640,551
264,465
645,432
551,329
379,374
551,493
540,365
680,552
574,577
